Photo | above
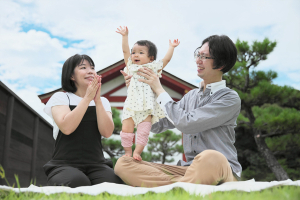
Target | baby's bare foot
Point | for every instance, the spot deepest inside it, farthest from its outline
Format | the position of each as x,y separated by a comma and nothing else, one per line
137,156
128,151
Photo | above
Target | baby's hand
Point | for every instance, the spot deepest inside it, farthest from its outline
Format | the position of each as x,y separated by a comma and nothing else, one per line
174,44
123,30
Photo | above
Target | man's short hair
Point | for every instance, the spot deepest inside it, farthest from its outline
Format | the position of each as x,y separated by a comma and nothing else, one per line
68,70
223,50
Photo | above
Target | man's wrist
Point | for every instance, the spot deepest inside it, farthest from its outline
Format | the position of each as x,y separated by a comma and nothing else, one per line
159,91
162,100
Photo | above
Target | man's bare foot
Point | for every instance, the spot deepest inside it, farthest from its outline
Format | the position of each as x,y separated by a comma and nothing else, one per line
137,156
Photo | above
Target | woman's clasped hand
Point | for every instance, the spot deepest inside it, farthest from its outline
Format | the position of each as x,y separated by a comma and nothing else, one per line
94,89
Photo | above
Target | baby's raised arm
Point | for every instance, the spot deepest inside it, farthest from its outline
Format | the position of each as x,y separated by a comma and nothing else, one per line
170,51
125,46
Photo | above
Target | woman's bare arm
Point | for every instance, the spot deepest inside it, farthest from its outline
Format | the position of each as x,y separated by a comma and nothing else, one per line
67,120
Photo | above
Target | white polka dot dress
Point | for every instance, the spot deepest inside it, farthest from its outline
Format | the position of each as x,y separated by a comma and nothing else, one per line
141,100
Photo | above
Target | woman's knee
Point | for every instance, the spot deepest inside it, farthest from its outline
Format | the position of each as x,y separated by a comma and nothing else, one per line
68,176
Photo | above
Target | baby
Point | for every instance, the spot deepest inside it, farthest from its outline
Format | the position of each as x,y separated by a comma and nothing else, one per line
140,109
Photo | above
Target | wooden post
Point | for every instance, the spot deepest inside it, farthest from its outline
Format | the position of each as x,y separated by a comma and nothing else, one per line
7,136
34,147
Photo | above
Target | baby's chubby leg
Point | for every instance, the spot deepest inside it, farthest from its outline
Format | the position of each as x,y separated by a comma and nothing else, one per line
127,135
143,130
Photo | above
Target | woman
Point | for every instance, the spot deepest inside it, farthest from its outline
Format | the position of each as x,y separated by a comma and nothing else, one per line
80,117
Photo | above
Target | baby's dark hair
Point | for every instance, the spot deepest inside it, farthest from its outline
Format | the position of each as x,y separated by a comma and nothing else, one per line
152,50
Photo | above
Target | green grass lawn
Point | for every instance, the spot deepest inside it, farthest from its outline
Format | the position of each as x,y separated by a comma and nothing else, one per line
283,192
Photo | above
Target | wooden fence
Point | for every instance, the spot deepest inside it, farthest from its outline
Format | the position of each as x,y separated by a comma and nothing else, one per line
26,141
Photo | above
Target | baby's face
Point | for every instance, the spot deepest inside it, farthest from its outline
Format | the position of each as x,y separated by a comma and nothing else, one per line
139,55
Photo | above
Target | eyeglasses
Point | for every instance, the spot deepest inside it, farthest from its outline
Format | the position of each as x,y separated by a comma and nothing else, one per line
201,57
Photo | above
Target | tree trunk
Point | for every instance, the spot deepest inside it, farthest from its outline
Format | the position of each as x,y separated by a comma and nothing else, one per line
272,163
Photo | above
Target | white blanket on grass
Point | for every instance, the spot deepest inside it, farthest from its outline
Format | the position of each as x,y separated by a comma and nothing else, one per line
125,190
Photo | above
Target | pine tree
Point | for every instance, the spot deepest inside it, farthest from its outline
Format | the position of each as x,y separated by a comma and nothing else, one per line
268,110
163,145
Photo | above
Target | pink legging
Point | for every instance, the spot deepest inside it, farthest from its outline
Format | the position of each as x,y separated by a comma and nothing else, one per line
143,130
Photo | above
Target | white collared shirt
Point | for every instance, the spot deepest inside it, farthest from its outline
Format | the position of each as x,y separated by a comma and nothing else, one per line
214,87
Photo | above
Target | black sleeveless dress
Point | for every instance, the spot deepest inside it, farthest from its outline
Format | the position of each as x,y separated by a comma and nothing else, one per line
78,158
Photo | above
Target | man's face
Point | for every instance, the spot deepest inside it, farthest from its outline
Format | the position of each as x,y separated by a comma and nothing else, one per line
205,66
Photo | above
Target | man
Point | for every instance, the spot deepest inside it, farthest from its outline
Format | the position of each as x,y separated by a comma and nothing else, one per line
206,116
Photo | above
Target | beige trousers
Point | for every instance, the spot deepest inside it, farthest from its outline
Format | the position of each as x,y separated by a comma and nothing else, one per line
209,167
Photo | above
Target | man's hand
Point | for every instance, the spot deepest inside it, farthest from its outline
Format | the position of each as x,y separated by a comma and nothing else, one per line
151,79
174,44
126,77
123,30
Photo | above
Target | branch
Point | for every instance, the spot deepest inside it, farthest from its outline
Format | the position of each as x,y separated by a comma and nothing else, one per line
275,133
243,122
234,86
108,152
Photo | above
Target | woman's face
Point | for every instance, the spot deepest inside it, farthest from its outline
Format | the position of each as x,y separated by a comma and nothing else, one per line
83,74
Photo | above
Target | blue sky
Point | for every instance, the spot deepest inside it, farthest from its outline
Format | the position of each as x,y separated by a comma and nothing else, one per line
36,37
67,41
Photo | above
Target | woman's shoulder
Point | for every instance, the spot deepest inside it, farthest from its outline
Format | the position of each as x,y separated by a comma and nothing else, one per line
58,97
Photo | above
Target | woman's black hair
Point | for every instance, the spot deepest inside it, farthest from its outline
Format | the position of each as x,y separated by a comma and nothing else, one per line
152,50
68,70
223,50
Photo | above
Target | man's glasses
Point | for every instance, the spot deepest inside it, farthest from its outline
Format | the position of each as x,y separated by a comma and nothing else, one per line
201,57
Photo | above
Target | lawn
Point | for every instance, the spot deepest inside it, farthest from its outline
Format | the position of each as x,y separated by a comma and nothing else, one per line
283,192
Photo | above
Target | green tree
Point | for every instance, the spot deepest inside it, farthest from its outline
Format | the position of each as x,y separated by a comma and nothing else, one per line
111,146
117,121
164,144
268,110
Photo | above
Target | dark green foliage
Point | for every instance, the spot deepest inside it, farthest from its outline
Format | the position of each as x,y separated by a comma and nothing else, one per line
117,121
165,144
269,112
113,147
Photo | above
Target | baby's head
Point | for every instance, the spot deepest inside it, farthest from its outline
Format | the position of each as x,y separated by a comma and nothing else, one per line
143,52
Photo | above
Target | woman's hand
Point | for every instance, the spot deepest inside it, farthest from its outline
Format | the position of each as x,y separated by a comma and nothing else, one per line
123,30
92,89
97,96
151,79
126,77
